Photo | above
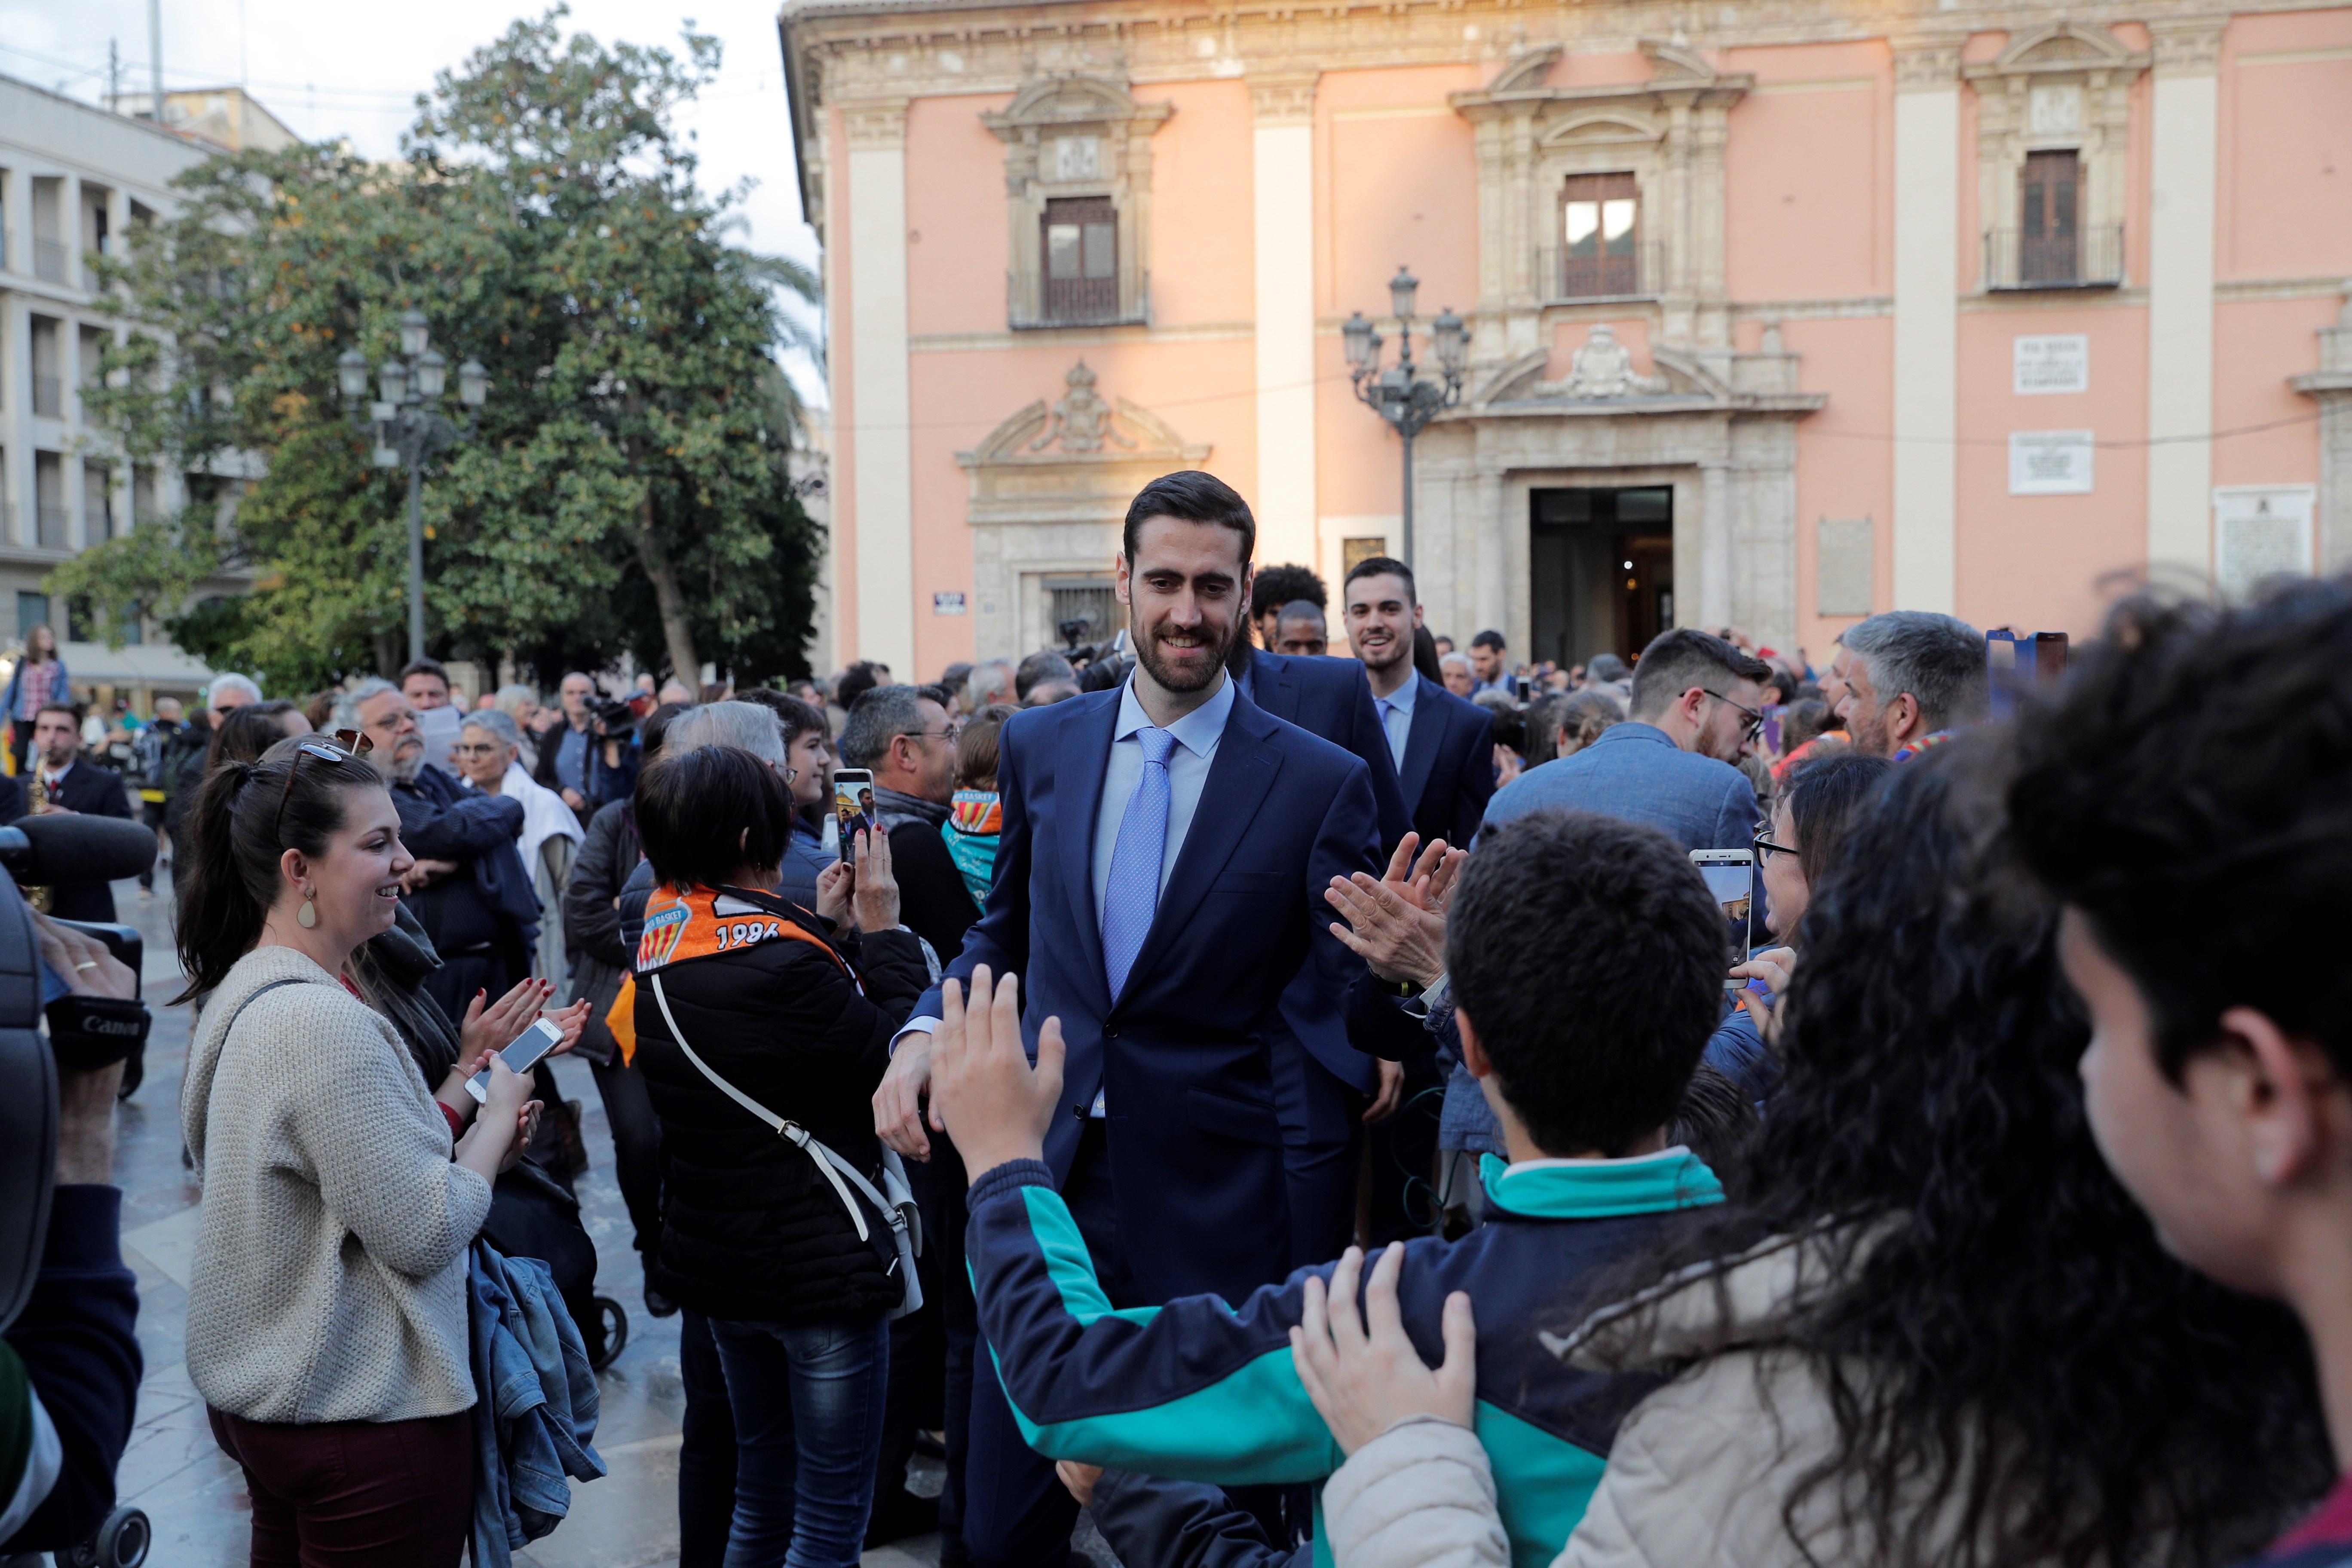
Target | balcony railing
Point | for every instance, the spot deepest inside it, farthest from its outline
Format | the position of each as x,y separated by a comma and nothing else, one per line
2090,257
1032,299
49,260
1563,274
52,521
49,396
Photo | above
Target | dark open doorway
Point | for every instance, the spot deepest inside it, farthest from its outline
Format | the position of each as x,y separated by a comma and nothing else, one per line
1601,569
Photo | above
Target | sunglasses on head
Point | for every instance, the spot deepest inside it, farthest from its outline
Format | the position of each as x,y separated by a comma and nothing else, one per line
344,745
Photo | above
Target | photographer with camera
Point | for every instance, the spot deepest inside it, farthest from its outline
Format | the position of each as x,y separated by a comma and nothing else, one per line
590,758
69,1367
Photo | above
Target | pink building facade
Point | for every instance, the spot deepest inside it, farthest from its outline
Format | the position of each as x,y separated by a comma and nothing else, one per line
1776,314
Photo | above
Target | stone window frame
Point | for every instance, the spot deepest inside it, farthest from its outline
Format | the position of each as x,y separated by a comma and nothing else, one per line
2102,70
1047,111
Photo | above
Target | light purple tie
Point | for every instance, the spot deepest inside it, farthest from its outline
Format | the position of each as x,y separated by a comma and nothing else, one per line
1132,896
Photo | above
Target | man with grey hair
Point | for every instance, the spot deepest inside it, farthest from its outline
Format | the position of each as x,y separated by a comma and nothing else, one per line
1913,678
988,683
747,725
903,733
228,692
467,888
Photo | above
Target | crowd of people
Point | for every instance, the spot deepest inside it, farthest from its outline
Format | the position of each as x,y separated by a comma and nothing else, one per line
1304,1105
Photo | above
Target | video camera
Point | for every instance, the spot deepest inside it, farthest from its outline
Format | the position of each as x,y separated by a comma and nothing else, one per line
616,718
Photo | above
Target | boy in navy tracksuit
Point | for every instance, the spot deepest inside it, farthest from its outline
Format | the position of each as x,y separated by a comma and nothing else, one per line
1583,1058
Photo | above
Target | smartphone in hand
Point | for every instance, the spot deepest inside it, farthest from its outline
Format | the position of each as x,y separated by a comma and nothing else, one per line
521,1055
853,808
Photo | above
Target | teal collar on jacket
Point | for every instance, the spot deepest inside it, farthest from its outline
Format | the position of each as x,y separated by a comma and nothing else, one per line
1600,1189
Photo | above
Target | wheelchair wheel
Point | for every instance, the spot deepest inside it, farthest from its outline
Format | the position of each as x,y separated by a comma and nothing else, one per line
121,1542
616,1331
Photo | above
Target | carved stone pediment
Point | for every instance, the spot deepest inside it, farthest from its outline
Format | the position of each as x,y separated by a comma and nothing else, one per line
1083,428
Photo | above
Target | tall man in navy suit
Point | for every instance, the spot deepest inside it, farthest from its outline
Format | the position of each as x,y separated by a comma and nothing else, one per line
1158,886
1443,746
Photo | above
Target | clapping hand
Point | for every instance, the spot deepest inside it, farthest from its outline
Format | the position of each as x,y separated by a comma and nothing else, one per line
1397,924
984,1090
1364,1375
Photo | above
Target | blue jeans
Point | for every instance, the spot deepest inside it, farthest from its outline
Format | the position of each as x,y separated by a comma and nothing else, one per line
808,1402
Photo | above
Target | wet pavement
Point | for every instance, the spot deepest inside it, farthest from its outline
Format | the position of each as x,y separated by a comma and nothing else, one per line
195,1499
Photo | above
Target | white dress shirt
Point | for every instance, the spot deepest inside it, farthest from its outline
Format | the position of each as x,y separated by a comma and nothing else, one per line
1396,718
1197,734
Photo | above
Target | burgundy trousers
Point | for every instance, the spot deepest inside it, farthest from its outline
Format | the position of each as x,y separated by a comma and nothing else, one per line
356,1494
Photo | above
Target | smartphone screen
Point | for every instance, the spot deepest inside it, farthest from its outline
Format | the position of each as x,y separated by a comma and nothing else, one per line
521,1055
853,808
1730,876
1521,685
1772,715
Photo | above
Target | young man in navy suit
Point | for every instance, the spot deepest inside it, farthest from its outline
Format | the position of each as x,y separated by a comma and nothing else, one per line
1159,887
74,787
1444,747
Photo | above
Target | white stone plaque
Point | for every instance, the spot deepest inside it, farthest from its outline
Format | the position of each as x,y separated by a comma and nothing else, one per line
2260,532
2049,462
1843,560
1078,158
2052,109
947,602
2056,362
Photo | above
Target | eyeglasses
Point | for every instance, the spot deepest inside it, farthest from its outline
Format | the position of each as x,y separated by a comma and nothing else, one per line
477,748
929,734
346,744
1766,849
1749,730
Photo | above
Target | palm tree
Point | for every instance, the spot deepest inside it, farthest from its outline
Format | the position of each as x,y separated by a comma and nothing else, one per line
801,280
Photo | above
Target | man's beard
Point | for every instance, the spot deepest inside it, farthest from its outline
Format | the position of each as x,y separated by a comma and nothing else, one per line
408,760
1171,679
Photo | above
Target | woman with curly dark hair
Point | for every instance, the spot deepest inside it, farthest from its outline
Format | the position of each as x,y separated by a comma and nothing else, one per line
1929,1327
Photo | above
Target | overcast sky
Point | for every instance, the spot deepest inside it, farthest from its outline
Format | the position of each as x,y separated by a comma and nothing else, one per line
331,69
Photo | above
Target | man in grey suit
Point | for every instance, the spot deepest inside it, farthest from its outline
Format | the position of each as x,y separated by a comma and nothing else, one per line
1696,707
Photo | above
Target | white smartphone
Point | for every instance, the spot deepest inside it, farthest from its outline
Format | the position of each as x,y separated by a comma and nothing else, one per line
521,1055
1731,877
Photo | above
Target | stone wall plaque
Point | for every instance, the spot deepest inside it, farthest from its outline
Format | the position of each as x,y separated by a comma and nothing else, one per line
2049,462
2260,532
2048,363
1844,566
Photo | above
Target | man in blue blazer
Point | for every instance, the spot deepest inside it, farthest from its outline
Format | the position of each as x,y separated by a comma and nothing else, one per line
1444,747
1159,887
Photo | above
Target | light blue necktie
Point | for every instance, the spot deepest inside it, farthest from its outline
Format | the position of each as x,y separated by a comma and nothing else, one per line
1132,896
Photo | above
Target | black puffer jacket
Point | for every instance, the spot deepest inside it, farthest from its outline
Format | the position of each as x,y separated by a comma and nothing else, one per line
750,1231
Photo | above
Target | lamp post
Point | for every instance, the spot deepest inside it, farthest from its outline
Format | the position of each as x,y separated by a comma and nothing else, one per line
409,427
1400,393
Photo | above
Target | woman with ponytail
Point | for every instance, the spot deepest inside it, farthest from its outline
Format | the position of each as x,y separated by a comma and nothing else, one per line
326,1309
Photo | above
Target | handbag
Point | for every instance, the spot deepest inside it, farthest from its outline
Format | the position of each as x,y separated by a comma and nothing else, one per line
897,1209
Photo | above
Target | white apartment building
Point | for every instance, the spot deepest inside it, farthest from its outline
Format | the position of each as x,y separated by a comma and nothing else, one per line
74,180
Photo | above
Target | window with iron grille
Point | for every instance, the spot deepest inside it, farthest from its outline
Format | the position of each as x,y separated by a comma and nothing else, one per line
1081,250
2048,249
1599,234
1093,602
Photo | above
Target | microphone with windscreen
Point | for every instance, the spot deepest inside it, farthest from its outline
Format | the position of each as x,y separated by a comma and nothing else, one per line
42,851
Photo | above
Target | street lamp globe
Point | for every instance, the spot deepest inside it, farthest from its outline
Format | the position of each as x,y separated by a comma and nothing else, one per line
1356,335
1402,289
473,383
431,374
391,379
1452,342
415,332
351,375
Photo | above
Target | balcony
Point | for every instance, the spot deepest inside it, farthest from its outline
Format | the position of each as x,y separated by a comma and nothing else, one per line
2089,258
1632,272
49,260
1033,300
49,396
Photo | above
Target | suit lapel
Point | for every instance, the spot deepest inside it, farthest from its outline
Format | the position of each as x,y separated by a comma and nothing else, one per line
1080,762
1272,686
1240,777
1421,742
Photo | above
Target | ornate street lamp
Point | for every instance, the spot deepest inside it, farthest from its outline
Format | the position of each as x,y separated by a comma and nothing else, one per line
1399,394
409,428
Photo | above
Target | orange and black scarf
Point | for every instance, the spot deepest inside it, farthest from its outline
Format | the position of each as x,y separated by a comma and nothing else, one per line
688,923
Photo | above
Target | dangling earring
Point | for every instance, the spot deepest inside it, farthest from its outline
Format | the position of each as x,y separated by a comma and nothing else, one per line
307,916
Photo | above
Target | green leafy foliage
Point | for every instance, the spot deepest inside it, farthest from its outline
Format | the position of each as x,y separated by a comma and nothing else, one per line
627,486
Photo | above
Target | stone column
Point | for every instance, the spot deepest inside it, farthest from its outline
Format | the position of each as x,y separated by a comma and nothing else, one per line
1283,166
2331,387
1927,321
2183,138
881,465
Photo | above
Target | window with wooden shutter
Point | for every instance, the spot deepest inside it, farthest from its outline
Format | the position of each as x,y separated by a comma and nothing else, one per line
1599,231
1081,246
2048,228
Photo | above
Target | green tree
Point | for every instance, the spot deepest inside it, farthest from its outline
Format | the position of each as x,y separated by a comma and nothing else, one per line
627,485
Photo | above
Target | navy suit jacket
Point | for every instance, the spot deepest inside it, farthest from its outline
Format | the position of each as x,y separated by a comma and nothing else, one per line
1184,1056
92,791
1449,765
1332,698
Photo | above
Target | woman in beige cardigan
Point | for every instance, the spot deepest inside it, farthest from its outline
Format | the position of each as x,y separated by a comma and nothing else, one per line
1929,1328
326,1311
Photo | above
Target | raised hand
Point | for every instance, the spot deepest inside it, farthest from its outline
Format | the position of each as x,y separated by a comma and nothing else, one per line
984,1090
1364,1375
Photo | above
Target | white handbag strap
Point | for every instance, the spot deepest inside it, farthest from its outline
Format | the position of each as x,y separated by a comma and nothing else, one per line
833,1166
